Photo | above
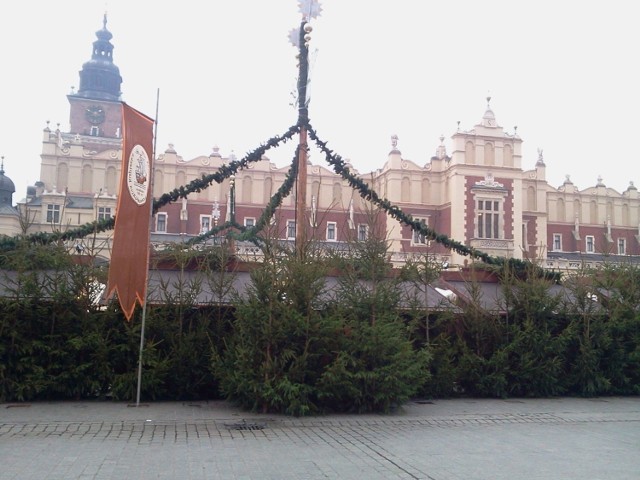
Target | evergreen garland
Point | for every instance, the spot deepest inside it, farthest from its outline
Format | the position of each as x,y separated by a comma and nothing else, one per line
225,171
44,238
197,185
250,234
341,168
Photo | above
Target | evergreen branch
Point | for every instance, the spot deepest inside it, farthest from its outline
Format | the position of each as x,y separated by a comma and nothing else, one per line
224,172
197,185
341,168
251,233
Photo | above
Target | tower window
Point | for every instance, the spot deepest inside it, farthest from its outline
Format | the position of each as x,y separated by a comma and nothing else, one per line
557,242
622,246
104,213
331,231
363,231
418,237
291,229
488,212
53,213
590,244
205,223
161,222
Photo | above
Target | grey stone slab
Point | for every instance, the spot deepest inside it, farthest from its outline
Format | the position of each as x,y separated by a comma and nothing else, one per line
533,439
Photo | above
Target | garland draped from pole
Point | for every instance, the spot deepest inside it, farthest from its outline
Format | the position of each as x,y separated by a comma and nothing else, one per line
341,168
197,185
251,233
240,232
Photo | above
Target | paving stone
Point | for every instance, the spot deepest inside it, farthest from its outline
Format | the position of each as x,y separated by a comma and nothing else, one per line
533,439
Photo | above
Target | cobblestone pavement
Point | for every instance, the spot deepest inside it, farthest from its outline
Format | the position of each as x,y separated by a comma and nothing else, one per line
534,439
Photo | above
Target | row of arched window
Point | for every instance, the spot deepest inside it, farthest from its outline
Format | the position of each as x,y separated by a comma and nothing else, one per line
590,215
561,212
489,154
86,179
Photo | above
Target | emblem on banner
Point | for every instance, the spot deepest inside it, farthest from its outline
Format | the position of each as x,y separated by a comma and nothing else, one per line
138,174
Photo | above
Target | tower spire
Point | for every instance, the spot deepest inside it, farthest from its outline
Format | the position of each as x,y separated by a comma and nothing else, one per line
489,118
100,78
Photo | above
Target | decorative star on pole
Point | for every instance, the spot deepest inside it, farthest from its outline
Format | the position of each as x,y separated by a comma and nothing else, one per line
294,37
310,8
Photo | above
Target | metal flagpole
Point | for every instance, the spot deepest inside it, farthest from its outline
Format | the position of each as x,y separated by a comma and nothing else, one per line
144,307
303,115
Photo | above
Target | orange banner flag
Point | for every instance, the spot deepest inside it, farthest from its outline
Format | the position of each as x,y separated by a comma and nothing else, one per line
129,265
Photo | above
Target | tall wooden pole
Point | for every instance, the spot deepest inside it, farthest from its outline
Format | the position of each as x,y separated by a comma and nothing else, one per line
301,194
303,116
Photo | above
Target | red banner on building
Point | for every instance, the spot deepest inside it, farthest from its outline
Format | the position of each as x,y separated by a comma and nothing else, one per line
129,265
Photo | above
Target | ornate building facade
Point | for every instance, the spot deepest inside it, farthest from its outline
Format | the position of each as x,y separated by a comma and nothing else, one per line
480,194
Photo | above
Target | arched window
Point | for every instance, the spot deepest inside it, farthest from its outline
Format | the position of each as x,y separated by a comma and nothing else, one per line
405,190
560,211
247,189
337,193
315,191
426,191
158,183
87,178
181,178
593,212
470,153
489,154
625,215
62,177
531,198
268,185
204,193
508,156
110,181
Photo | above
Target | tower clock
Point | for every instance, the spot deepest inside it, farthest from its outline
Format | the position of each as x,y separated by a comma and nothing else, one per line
95,114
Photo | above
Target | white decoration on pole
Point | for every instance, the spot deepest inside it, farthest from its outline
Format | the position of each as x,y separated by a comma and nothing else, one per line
310,8
294,37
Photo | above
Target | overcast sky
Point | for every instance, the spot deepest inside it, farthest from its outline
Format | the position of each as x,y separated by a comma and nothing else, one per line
565,73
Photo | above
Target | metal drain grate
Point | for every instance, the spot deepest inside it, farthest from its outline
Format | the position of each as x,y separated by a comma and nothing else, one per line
244,425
